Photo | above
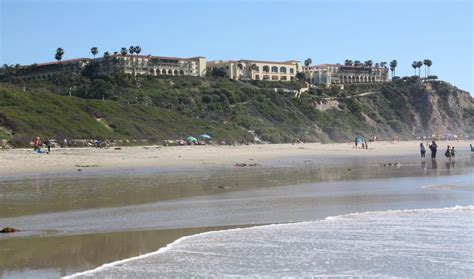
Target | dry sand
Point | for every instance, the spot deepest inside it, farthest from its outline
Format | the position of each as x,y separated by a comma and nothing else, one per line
24,161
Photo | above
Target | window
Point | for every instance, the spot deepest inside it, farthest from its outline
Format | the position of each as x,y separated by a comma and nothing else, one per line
283,78
274,69
292,71
282,70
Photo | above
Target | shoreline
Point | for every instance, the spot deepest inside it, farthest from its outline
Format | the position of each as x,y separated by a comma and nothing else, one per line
23,163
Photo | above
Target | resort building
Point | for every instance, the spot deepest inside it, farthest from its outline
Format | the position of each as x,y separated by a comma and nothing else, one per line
342,74
48,70
128,64
257,70
153,65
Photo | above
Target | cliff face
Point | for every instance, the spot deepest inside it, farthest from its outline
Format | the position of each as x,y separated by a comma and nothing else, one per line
432,108
238,112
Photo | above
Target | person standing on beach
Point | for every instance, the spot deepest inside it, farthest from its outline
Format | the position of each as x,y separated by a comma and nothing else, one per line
422,151
447,153
48,144
434,148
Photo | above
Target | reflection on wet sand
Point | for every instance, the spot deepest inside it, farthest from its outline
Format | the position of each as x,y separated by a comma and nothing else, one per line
56,194
62,255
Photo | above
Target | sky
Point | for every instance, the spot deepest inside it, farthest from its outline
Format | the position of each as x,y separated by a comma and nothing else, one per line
325,31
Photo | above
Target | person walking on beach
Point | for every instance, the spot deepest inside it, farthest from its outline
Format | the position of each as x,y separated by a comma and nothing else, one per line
422,151
366,145
434,148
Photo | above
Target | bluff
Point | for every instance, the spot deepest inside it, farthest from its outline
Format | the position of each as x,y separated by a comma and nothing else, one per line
155,109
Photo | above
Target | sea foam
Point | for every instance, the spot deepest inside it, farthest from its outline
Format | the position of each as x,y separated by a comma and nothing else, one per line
420,243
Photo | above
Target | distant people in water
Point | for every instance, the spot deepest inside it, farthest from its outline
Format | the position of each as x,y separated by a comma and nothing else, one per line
453,152
422,150
447,153
434,148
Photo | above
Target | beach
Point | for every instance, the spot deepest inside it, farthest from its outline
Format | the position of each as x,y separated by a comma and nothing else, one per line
134,201
25,162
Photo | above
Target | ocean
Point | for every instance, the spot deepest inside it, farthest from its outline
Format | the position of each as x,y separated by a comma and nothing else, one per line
415,243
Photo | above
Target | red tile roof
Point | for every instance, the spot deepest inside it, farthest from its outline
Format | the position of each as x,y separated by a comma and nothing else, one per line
63,61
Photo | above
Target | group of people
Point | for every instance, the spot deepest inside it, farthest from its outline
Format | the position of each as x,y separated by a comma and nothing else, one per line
449,153
38,145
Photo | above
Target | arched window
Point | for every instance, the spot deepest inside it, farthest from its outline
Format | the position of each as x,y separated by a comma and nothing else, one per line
175,72
164,72
283,70
266,69
181,72
170,72
274,69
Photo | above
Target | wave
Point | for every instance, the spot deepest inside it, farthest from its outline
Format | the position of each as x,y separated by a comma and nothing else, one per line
356,223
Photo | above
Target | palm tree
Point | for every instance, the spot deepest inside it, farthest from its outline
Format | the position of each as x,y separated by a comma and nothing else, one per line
393,66
414,65
131,50
94,51
123,51
59,54
348,62
357,63
368,63
419,64
138,49
383,64
428,64
59,57
106,55
308,62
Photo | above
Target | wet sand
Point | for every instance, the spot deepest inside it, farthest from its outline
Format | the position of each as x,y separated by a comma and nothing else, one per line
76,222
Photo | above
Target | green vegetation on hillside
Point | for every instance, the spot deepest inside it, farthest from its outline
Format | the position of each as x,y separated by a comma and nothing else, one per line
118,107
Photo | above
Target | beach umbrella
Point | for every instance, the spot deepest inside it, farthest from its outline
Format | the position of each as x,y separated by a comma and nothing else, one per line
205,136
191,139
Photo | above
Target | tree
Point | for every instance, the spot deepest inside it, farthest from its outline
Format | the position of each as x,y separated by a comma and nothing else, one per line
414,65
368,63
123,51
106,55
266,69
308,62
59,57
300,76
383,64
393,66
94,51
428,64
419,64
131,50
348,62
357,63
59,54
